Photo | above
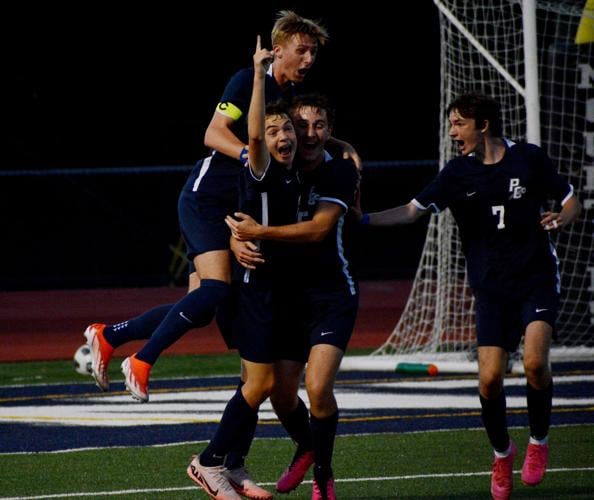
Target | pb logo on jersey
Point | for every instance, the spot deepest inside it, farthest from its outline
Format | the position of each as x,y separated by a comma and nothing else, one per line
515,189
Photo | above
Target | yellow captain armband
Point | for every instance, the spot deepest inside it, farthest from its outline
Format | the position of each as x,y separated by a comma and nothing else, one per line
229,109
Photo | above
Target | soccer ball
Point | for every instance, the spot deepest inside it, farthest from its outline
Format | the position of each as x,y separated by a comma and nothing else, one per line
82,360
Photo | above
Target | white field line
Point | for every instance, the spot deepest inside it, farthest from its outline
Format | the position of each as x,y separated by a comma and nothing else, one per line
410,477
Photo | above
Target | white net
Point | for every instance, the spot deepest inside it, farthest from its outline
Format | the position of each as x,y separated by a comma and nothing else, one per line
482,50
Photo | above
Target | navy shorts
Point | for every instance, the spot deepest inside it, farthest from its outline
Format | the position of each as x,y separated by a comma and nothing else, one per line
502,320
267,326
332,315
208,196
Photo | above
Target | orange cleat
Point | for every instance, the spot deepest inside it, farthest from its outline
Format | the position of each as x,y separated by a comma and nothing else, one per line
101,352
136,373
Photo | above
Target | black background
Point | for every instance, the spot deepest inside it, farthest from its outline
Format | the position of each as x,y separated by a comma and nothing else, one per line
100,85
112,87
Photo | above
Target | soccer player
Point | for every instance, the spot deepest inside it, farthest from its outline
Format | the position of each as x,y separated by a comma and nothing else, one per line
270,192
497,191
323,274
210,194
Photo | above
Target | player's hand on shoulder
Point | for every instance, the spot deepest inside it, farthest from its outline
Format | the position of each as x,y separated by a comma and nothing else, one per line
345,150
350,153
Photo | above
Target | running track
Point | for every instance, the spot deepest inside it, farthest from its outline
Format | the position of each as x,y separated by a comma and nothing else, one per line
45,325
48,325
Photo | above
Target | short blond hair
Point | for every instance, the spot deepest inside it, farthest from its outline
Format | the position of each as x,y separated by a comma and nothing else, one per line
288,23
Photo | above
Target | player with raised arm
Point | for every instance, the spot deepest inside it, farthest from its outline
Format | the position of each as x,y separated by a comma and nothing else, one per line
210,194
270,192
497,191
323,274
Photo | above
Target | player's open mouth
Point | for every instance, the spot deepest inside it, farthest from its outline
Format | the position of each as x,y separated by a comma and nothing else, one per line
285,150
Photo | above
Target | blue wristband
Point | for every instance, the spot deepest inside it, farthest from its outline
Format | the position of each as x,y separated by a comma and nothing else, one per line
244,151
364,220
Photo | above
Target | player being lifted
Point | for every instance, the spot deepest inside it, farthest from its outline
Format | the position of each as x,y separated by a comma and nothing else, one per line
209,195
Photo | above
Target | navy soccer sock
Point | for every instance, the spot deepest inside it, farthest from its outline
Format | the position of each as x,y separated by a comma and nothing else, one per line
195,310
138,328
241,448
235,420
323,432
539,410
493,414
297,425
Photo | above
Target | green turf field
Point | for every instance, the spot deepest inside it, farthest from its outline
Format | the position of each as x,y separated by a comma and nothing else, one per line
452,464
439,464
48,372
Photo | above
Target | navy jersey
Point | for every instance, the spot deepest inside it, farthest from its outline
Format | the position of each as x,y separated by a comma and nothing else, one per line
272,200
221,179
497,209
327,264
235,101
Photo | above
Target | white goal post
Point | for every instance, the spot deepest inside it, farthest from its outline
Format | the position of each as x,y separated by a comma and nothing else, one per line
524,53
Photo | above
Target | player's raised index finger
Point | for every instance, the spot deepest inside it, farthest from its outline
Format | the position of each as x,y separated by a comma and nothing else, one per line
258,42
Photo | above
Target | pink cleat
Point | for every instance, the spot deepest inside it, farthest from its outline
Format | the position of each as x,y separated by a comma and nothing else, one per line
535,464
323,492
101,352
136,373
502,481
294,474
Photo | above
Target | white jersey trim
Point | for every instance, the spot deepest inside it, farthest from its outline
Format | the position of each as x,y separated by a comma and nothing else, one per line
203,170
569,195
422,207
265,218
253,174
334,200
345,263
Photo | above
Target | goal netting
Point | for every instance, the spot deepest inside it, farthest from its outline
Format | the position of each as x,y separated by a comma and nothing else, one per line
483,50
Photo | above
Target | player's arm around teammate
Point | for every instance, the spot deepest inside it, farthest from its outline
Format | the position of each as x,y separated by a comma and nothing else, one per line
272,144
330,291
497,191
209,194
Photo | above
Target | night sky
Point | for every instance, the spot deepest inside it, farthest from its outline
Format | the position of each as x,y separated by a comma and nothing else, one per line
110,86
102,86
